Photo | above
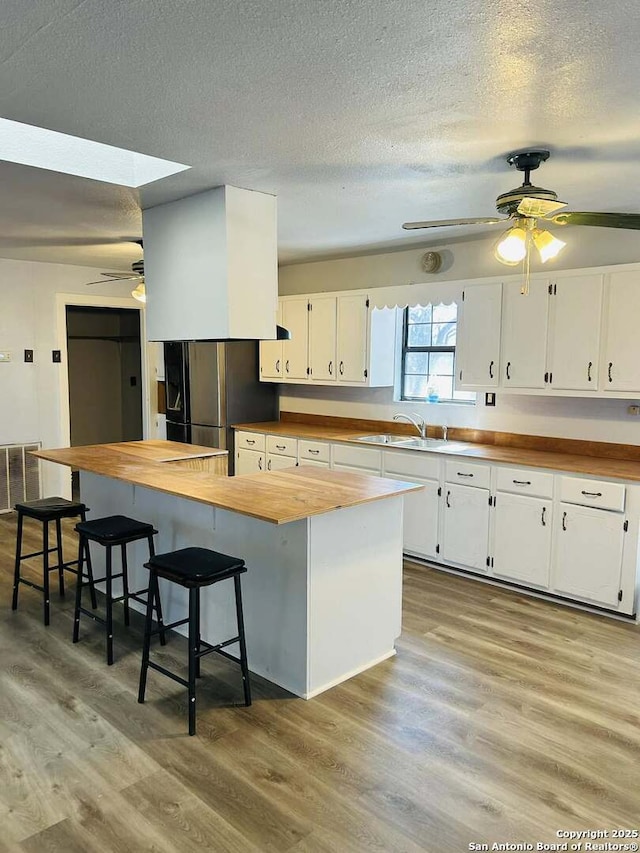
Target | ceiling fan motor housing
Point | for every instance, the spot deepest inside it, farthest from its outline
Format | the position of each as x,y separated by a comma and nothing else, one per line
508,202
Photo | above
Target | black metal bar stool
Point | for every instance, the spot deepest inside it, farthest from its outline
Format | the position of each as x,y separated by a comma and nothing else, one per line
194,568
46,510
110,532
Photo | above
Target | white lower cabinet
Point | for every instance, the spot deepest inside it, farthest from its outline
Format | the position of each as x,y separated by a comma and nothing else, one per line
249,461
466,526
421,509
587,554
275,462
521,549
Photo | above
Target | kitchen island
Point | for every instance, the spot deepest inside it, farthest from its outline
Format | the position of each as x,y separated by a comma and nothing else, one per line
323,591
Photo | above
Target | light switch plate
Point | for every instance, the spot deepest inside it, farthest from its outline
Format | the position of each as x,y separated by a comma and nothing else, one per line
5,355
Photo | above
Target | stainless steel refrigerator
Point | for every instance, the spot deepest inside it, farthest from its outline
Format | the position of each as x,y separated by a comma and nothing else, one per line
212,385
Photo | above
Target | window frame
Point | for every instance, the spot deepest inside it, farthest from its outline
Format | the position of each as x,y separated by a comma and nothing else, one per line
406,349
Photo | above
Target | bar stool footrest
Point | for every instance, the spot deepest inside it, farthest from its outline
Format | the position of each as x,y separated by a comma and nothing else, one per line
169,627
208,648
92,615
168,673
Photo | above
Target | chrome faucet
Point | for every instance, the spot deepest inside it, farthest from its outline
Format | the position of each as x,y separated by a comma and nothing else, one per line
419,424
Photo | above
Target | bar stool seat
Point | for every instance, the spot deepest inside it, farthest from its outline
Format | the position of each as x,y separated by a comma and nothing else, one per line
46,510
194,568
110,532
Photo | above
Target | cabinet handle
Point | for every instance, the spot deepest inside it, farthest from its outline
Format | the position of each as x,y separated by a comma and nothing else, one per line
330,368
447,500
250,440
342,368
280,447
592,494
609,371
278,366
542,519
590,365
286,366
522,482
315,452
461,474
546,377
491,370
564,520
508,369
269,465
260,463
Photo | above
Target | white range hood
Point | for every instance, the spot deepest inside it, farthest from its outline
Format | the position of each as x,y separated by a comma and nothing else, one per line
211,267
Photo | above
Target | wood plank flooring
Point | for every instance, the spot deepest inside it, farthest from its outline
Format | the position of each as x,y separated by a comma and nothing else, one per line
502,719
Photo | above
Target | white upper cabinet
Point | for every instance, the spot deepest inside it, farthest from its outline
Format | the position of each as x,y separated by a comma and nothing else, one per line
620,364
294,351
334,339
353,316
524,335
271,361
478,344
574,335
322,338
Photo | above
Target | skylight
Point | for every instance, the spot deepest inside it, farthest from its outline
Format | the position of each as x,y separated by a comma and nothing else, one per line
59,152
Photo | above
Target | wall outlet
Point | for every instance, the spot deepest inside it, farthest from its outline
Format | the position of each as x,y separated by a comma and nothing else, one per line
490,399
633,410
56,356
5,355
28,355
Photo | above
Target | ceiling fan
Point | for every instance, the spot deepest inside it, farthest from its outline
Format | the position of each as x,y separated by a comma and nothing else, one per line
136,274
524,207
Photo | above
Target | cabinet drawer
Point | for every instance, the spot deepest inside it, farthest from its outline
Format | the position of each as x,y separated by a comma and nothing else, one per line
280,445
314,451
468,474
250,440
411,463
359,457
575,490
525,481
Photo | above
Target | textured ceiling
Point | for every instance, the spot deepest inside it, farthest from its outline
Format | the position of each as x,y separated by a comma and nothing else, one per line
358,114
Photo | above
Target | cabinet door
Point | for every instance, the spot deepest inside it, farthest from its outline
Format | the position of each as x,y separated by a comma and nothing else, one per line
276,462
522,539
271,364
478,338
322,338
620,369
353,316
420,516
295,352
249,461
588,553
576,310
524,335
466,526
315,463
354,470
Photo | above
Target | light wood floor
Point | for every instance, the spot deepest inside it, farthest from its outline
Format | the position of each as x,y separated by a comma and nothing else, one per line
502,718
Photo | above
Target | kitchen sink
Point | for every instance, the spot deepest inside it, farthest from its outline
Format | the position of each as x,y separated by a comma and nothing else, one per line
385,438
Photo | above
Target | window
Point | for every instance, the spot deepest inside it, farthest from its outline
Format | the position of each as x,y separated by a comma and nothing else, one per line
429,355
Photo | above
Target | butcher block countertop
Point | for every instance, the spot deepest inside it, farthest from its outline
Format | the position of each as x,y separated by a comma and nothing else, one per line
560,460
274,496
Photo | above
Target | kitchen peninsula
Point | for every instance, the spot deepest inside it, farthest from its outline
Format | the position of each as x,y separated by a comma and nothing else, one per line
322,595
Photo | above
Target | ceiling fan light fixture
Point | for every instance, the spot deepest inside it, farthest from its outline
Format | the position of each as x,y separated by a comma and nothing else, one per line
512,246
140,293
547,245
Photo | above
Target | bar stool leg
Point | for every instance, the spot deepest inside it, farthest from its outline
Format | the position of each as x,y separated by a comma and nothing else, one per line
109,602
125,584
193,640
243,645
16,575
45,567
153,592
60,557
76,613
157,603
197,633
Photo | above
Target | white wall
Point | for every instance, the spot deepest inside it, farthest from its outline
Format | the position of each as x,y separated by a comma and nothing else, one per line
30,402
600,420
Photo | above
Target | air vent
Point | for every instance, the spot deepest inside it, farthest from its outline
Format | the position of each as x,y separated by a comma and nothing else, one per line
19,475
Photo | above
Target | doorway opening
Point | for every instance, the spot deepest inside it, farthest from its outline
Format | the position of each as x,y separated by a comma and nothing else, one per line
104,358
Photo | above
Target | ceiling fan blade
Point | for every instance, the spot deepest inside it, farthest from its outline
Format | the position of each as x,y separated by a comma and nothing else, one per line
441,223
539,207
600,220
113,277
